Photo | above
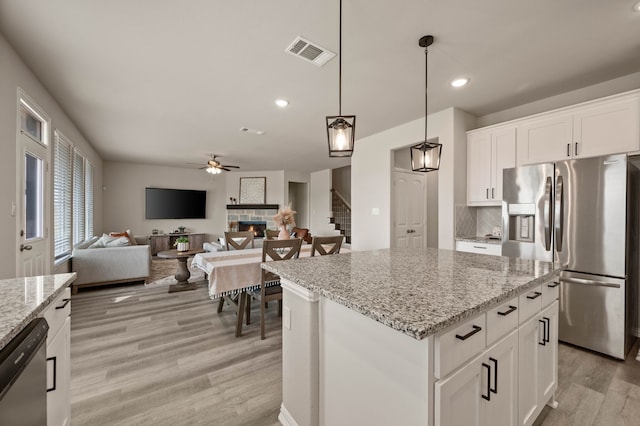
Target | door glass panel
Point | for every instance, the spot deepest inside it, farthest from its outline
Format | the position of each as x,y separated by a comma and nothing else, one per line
33,197
31,124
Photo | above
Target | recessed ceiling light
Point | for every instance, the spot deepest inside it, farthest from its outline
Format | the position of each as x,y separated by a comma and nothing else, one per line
459,82
254,131
282,102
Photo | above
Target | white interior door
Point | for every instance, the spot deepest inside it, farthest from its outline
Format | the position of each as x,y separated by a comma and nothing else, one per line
409,201
32,206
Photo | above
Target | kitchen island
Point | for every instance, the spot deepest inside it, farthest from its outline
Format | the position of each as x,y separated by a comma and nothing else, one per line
408,337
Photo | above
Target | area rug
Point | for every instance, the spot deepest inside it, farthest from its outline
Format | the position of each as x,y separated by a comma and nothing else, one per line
163,271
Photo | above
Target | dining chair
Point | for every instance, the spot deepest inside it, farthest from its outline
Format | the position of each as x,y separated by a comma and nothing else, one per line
319,243
243,237
270,289
271,234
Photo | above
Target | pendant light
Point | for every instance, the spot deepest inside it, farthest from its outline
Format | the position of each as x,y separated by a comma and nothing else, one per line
425,156
341,129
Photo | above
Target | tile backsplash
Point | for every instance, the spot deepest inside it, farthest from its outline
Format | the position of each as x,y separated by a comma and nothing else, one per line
477,221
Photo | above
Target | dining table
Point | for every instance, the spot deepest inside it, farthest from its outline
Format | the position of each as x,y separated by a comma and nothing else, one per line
231,274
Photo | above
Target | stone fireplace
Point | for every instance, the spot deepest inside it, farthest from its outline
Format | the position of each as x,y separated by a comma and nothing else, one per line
241,217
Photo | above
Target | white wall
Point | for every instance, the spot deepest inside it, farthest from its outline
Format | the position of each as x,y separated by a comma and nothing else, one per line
299,200
371,185
13,74
341,181
124,205
320,201
600,90
276,192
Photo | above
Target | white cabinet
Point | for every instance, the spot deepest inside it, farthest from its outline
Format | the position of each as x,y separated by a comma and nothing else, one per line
609,126
57,315
484,391
488,153
481,248
537,358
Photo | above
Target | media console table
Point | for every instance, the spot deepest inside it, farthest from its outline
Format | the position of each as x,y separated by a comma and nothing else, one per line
163,242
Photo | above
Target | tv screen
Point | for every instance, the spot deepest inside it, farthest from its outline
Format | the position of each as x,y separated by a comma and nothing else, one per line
161,203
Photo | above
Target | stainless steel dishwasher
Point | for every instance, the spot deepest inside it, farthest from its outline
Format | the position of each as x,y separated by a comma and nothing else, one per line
23,377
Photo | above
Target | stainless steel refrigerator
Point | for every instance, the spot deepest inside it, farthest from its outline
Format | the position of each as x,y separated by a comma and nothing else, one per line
582,215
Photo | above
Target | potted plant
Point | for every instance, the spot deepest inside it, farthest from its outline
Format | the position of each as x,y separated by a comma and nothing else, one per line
182,244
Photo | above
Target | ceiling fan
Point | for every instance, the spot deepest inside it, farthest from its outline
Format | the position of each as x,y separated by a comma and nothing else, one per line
215,167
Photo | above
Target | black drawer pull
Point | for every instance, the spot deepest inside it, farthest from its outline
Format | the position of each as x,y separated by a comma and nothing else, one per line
64,305
535,296
476,329
554,285
508,311
55,369
488,395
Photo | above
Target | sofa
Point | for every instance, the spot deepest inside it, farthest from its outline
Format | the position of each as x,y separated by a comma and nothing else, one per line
109,265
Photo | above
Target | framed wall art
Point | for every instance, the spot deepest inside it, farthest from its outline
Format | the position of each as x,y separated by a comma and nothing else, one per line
253,190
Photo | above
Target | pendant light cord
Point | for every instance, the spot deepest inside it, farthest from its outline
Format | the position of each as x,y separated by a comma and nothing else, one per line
426,83
340,65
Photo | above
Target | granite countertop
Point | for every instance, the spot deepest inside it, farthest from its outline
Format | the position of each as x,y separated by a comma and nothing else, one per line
484,239
417,292
22,299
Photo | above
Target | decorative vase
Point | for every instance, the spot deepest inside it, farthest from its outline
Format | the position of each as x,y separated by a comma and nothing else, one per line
284,234
183,246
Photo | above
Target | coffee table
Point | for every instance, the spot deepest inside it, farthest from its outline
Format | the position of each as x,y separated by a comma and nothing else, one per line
183,274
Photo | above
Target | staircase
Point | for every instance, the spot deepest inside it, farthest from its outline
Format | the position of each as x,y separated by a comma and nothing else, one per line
341,218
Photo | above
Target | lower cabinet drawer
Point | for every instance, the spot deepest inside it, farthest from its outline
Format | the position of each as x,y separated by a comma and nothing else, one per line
501,320
550,291
455,346
58,311
529,303
481,248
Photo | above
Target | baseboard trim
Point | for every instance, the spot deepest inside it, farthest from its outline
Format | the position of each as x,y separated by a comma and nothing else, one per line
285,418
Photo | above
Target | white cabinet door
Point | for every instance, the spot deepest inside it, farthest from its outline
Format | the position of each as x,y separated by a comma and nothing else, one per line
610,128
503,143
479,167
545,139
529,338
502,407
459,398
548,353
58,377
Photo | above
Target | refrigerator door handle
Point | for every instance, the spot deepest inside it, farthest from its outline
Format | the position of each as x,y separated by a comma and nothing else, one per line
548,217
589,282
559,213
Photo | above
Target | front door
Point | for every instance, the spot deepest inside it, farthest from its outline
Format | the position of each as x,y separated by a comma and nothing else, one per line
33,177
409,202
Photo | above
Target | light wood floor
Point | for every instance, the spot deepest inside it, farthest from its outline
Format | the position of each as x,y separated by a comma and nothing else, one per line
145,357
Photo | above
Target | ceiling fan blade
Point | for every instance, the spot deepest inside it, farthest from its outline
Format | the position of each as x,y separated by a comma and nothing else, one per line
233,167
224,168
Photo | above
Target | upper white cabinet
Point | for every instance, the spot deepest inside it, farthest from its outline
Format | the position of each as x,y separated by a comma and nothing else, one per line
604,127
488,153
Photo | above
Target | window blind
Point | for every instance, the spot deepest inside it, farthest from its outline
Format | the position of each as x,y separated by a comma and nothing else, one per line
88,199
78,198
62,196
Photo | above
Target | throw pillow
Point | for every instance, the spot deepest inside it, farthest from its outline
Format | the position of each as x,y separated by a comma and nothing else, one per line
118,242
97,244
127,234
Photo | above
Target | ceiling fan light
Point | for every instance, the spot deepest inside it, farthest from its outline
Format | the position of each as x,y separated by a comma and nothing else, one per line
425,156
341,135
459,82
282,103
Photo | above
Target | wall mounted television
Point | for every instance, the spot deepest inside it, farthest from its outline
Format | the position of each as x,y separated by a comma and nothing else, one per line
162,203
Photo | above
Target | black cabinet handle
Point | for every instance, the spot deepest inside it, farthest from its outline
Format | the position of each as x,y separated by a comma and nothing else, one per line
544,333
487,193
476,329
64,305
488,395
508,311
554,285
546,329
568,150
535,296
55,369
495,376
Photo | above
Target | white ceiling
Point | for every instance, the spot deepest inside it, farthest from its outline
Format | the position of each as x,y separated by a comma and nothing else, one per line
168,82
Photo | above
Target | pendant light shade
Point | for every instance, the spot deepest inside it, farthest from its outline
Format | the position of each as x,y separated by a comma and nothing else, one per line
425,156
341,129
341,134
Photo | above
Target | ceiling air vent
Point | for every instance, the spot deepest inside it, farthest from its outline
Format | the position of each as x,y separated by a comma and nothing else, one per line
309,51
